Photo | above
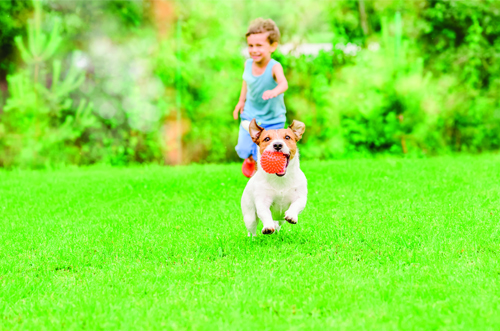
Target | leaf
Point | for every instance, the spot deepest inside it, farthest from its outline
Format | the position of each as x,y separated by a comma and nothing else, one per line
81,108
56,73
31,40
67,103
25,55
55,40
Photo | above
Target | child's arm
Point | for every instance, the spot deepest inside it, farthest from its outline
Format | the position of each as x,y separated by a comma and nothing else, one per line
282,83
241,103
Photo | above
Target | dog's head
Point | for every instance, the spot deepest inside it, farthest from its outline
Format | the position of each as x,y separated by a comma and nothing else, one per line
282,140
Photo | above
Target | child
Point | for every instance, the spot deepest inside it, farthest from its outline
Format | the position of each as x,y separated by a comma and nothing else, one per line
262,91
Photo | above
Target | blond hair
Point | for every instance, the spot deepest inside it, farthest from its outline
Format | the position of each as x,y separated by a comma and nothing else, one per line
261,25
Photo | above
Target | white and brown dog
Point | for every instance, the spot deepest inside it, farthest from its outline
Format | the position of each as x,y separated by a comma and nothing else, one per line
274,198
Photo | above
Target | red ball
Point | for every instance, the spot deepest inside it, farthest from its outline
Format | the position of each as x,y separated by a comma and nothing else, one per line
273,162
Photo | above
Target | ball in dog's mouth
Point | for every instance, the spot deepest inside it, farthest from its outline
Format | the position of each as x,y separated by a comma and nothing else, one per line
274,162
281,174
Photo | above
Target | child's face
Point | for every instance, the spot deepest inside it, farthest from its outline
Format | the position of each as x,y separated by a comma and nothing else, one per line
259,47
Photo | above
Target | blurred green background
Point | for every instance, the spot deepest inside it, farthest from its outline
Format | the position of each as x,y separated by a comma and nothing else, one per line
121,82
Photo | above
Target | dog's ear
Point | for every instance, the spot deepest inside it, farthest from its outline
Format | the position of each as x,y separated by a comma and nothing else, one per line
298,129
255,131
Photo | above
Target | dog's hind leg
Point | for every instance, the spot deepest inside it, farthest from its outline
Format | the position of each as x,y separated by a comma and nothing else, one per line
249,213
251,221
250,218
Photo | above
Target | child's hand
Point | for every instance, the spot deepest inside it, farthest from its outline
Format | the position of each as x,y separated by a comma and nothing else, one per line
269,94
238,109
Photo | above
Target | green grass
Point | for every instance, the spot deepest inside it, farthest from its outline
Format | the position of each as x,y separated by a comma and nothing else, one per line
382,244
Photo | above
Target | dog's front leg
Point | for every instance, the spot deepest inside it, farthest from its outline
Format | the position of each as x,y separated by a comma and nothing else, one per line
292,214
264,213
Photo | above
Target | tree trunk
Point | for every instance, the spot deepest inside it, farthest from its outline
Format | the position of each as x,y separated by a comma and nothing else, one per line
363,17
165,19
164,16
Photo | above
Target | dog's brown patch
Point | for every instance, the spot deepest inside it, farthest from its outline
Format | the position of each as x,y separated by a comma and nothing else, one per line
290,136
266,138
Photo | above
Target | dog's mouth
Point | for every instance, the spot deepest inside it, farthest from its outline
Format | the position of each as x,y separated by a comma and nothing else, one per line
281,174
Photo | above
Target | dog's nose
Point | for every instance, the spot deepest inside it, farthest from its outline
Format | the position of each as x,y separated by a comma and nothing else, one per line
278,146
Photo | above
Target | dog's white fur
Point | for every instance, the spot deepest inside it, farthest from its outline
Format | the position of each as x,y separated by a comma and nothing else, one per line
274,199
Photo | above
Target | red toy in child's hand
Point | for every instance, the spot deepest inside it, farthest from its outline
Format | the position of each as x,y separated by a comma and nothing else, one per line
273,162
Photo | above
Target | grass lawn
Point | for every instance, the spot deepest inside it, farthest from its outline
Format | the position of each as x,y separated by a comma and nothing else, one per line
382,244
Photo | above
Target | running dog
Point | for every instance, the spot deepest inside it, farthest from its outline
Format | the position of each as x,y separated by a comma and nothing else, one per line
274,198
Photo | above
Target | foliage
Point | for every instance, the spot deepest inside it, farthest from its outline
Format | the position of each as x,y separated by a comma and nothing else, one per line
460,42
388,97
421,79
208,82
40,124
12,20
48,118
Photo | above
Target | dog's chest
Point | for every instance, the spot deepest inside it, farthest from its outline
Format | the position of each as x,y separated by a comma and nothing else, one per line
282,199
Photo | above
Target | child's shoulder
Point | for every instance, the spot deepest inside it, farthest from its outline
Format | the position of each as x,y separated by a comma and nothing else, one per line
275,62
276,66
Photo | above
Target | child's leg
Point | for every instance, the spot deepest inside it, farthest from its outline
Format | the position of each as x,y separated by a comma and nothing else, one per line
245,144
245,149
274,126
255,154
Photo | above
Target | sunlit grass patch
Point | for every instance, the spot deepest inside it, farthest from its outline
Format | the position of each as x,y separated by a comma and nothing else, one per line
382,244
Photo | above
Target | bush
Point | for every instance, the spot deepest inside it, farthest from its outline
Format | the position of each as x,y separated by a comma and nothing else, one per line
421,79
12,20
49,119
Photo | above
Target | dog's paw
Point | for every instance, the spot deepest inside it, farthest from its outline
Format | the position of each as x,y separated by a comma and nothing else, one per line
267,230
291,218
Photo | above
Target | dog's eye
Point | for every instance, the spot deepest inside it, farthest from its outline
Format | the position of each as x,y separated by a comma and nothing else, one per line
267,139
287,137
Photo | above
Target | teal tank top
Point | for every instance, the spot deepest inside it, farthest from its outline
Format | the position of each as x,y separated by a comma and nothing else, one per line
270,111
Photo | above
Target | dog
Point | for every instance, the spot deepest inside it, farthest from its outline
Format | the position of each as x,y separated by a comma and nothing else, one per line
274,198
